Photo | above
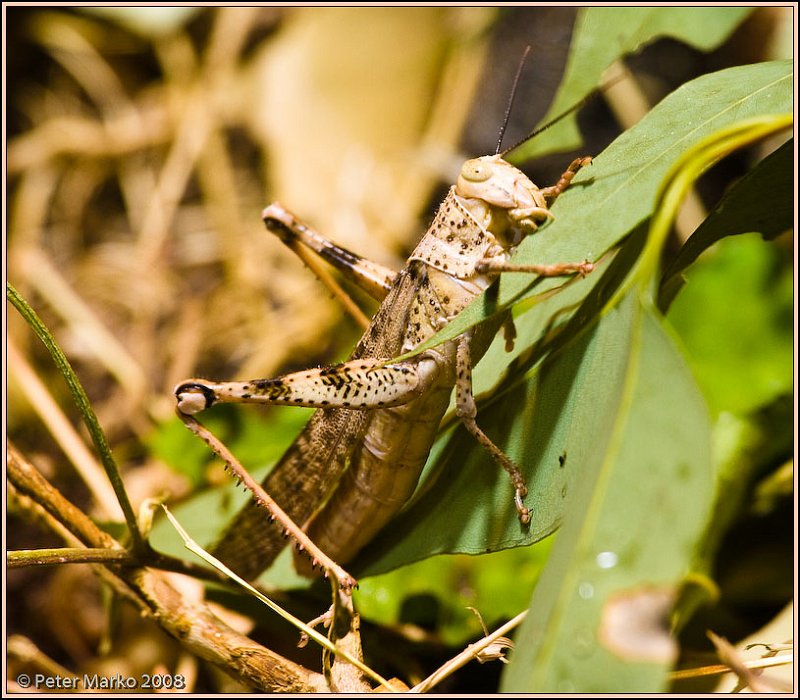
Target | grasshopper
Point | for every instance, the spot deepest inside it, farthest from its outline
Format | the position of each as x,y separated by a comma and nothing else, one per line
358,460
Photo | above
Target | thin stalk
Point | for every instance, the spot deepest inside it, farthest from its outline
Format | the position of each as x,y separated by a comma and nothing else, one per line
324,642
86,410
67,555
470,653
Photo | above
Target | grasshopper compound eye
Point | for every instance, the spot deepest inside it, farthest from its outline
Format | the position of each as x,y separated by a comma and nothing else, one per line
476,171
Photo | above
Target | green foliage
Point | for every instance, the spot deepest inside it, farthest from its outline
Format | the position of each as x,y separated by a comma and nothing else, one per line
603,35
436,592
653,476
756,203
536,422
257,441
734,317
611,427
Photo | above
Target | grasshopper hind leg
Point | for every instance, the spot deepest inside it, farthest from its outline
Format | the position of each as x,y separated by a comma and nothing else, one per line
373,278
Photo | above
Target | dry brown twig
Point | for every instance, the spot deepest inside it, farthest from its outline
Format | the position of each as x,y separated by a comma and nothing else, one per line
193,624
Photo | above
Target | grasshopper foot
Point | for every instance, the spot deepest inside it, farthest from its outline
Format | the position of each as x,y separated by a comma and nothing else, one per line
523,512
325,620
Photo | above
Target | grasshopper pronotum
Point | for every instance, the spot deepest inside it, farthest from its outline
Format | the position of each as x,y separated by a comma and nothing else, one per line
359,458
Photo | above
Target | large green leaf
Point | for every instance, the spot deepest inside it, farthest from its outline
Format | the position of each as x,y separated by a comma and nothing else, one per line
630,528
605,34
468,507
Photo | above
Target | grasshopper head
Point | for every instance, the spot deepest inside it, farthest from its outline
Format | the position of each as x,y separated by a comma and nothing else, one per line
498,183
502,199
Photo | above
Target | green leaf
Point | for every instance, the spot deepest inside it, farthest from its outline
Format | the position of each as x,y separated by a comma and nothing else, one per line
438,591
182,451
762,201
605,34
630,528
203,515
256,440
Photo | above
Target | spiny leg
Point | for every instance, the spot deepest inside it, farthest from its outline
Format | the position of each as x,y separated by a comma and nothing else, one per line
375,279
275,512
466,410
327,279
358,384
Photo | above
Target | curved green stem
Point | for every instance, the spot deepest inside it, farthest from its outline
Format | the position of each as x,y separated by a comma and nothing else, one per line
680,179
87,413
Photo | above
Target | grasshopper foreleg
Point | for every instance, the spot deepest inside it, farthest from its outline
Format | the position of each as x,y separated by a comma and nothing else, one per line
466,410
552,192
558,269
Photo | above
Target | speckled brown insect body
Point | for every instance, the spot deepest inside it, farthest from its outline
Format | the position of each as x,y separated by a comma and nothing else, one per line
358,460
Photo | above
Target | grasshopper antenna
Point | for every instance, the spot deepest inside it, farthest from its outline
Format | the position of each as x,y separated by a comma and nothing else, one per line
580,103
511,99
